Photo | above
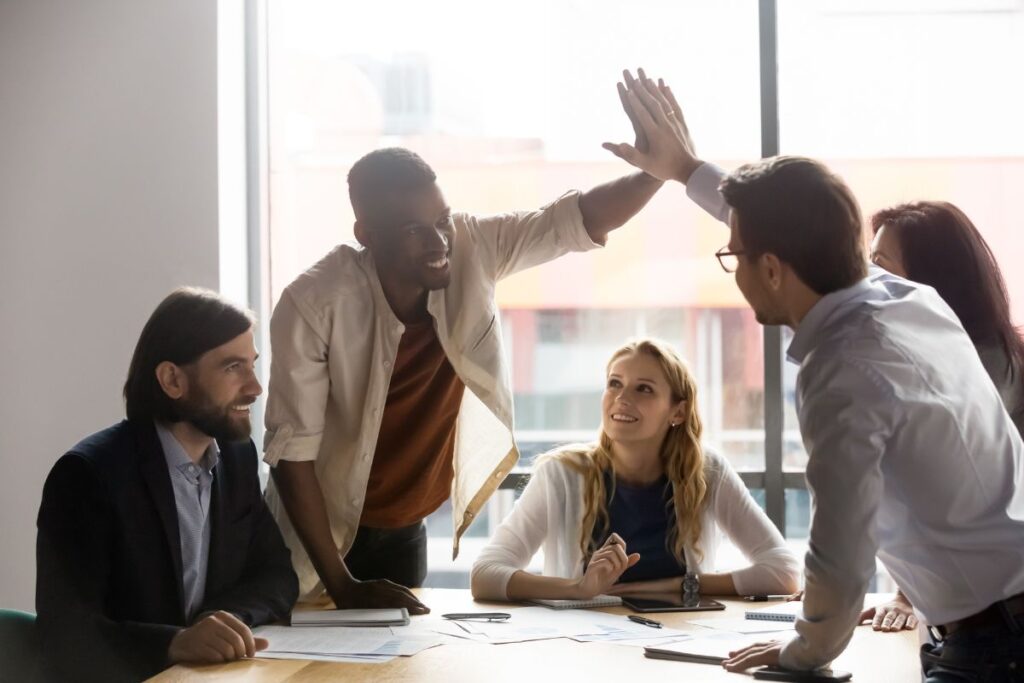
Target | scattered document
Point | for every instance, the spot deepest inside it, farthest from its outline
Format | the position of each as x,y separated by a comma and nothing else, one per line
334,641
712,649
740,625
350,659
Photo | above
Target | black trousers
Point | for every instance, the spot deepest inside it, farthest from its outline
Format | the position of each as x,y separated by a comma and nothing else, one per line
398,555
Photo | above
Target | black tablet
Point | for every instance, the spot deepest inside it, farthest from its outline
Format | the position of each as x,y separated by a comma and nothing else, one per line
639,603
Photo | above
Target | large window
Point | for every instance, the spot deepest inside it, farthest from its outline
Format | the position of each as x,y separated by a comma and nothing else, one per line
510,102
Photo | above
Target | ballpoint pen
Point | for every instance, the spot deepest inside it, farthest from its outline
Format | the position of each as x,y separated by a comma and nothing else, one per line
644,620
763,598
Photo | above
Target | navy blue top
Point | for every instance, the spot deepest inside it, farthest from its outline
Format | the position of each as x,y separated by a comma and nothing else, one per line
642,516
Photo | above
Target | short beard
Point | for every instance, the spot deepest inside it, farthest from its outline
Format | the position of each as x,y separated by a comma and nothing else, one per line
217,423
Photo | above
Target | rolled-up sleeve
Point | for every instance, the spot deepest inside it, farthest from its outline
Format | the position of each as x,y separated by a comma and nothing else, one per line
845,423
517,241
299,384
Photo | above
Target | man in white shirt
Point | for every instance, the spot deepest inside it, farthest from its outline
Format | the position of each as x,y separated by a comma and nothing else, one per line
911,453
389,391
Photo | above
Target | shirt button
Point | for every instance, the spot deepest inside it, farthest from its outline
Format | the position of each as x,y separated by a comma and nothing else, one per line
366,456
355,502
387,364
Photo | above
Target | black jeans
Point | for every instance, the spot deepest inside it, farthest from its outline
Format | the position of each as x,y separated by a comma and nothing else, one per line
989,654
398,555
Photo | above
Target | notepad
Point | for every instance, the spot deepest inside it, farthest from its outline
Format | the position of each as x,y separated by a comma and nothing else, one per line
351,617
704,650
596,601
787,611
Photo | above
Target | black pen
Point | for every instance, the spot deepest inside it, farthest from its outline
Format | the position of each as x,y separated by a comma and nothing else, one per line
764,598
644,620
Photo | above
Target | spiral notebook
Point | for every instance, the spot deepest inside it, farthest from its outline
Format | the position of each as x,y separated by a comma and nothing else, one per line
786,611
596,601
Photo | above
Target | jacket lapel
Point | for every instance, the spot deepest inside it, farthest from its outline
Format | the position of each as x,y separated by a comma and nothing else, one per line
153,465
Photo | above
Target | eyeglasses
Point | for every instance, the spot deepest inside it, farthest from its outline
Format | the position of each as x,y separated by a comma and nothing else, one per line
729,260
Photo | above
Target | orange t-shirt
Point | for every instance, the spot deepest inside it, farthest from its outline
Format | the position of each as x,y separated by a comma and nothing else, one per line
412,469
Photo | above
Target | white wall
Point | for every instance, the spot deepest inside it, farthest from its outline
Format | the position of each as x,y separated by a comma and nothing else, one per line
108,200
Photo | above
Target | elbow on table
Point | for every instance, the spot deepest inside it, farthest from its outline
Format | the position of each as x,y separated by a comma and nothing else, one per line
485,582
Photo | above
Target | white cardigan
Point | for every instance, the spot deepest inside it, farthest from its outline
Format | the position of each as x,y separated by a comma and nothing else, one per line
550,513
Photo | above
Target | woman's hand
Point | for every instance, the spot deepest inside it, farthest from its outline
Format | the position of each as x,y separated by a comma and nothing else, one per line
605,567
895,615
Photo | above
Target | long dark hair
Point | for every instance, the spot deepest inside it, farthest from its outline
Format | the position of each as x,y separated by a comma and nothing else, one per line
942,248
187,324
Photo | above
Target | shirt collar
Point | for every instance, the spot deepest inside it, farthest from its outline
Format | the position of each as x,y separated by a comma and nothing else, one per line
808,332
178,459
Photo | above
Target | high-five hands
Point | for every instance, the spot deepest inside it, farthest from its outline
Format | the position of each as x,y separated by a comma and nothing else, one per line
605,567
663,148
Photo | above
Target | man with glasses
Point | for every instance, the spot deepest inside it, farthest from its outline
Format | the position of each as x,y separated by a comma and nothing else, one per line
389,391
911,453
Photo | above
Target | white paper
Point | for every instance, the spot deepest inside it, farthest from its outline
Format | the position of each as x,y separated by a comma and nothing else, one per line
335,640
351,659
739,625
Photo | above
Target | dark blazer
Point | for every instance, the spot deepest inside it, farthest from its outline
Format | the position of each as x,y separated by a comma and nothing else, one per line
108,587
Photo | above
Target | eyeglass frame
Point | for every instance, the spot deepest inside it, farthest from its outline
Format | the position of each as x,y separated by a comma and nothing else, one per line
724,251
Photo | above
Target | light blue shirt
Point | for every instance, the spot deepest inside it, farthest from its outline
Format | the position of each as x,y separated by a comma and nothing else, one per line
911,455
192,484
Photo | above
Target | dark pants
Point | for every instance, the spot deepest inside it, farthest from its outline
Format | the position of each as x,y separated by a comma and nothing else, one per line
988,654
398,555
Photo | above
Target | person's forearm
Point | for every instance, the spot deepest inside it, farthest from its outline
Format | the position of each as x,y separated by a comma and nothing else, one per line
527,586
610,205
300,492
717,584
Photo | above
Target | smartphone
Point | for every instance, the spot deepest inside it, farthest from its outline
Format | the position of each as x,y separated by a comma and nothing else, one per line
644,604
771,673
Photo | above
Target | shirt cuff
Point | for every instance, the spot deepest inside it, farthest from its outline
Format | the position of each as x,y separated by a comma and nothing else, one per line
281,444
568,220
702,189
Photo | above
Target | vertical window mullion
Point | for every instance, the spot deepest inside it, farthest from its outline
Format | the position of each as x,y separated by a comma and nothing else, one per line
774,490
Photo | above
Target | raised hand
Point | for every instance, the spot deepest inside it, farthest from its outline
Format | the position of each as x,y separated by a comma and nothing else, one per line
659,125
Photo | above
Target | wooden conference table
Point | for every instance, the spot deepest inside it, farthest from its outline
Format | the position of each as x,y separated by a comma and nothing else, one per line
871,657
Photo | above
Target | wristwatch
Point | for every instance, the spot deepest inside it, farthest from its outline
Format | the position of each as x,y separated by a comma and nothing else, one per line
689,589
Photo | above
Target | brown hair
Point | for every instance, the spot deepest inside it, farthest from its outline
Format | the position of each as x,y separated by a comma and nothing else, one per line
942,248
682,458
797,209
186,324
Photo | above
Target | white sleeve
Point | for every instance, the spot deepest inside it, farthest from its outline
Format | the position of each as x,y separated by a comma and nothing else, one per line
518,537
846,422
512,242
702,189
773,567
299,384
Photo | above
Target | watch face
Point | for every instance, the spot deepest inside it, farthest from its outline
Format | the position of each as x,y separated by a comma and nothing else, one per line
691,584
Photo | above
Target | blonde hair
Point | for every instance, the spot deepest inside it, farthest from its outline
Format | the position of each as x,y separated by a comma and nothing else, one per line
681,456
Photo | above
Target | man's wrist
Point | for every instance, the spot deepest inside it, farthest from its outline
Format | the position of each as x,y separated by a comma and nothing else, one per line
687,168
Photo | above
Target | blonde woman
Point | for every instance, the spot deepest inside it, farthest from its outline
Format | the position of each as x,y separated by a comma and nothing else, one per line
640,508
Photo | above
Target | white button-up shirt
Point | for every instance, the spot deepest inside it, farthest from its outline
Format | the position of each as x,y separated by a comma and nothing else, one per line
912,456
334,339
